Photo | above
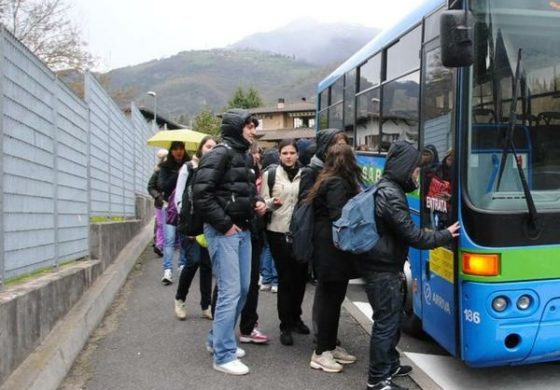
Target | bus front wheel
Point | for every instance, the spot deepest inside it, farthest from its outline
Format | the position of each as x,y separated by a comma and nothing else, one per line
411,324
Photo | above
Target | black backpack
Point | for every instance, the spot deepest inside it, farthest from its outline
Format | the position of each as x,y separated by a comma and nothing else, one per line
190,222
302,225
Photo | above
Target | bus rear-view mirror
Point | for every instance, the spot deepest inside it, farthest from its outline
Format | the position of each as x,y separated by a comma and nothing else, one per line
456,38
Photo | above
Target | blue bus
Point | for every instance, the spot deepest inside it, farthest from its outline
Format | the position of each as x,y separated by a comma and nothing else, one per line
477,84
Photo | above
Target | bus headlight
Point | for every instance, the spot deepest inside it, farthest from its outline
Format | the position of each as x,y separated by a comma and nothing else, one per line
499,304
523,302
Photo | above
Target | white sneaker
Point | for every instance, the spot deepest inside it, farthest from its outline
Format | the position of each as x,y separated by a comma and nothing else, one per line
239,352
167,277
325,362
207,313
265,287
235,367
340,355
180,309
274,289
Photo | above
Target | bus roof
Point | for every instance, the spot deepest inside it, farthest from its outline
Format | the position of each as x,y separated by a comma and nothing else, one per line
382,39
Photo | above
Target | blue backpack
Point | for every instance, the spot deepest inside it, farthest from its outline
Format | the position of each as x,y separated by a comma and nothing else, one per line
355,231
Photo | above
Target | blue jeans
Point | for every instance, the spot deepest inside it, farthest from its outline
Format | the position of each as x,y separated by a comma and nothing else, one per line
268,270
170,237
231,263
386,294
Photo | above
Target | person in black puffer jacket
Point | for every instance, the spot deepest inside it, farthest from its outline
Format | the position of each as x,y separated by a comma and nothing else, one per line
224,193
382,267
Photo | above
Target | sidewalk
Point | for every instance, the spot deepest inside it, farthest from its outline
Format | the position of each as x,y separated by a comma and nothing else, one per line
141,345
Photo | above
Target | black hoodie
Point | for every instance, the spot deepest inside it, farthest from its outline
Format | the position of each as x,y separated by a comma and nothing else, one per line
392,215
224,190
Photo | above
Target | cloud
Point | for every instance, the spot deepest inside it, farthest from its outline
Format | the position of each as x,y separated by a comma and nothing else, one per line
128,32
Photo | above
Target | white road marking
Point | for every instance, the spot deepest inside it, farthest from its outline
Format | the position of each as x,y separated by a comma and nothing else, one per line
452,374
365,308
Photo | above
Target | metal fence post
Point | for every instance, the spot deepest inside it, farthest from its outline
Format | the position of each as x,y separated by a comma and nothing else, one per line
110,170
2,60
56,173
89,186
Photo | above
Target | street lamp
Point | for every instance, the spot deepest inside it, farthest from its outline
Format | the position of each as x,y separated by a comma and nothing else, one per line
154,95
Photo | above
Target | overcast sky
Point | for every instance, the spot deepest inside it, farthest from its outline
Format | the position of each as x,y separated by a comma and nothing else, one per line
128,32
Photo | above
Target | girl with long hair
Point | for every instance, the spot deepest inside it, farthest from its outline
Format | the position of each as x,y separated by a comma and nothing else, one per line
339,181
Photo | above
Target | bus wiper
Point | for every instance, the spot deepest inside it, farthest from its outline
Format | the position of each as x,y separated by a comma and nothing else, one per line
534,223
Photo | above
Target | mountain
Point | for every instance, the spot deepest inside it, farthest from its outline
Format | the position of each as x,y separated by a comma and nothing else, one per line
284,63
317,43
190,81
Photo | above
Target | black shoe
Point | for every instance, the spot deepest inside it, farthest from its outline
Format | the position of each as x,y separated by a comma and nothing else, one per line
387,384
300,328
158,251
286,338
401,371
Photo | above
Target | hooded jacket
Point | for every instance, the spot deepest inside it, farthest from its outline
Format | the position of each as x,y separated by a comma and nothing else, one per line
392,216
311,172
224,189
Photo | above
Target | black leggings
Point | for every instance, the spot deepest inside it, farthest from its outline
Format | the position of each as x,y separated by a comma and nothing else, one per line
330,296
197,257
292,277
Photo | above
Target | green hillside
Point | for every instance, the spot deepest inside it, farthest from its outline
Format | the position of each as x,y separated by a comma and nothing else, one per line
191,80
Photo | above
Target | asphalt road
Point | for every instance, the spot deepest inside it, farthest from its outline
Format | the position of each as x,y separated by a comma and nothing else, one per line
141,345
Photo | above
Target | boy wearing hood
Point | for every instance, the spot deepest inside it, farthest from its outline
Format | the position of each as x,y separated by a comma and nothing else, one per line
225,194
382,268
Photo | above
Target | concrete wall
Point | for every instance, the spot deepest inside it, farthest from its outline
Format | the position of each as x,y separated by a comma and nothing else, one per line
30,310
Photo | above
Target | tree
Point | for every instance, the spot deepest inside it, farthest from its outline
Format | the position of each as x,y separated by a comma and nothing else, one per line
206,122
44,27
240,99
182,119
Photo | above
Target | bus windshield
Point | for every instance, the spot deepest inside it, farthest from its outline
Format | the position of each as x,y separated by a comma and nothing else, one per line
503,28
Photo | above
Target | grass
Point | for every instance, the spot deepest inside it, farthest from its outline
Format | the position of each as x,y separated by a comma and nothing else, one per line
37,273
101,219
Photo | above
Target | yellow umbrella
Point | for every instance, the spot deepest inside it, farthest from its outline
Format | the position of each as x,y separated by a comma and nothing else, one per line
164,138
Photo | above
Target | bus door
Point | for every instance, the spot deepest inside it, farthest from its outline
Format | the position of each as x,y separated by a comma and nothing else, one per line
437,273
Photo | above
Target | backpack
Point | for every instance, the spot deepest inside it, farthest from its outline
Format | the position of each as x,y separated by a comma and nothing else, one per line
271,169
355,231
302,225
190,222
171,213
271,179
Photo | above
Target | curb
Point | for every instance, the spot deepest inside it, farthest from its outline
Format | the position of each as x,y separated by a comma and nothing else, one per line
422,379
48,365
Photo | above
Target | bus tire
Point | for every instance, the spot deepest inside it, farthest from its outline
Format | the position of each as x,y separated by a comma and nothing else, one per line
412,326
411,323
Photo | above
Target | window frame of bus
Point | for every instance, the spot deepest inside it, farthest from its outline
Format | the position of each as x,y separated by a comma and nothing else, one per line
349,110
392,51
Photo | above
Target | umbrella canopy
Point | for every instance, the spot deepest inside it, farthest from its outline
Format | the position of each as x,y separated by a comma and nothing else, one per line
164,138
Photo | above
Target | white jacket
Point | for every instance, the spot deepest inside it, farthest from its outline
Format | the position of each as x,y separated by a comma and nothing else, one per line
288,192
